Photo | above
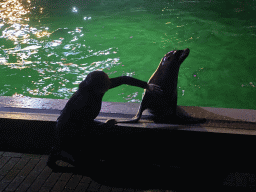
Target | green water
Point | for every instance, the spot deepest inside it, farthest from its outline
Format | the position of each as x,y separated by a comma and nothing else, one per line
46,50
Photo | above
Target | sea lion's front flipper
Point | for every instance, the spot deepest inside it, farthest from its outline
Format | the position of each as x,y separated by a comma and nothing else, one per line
136,118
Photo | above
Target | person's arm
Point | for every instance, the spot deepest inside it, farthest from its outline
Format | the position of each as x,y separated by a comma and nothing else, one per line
129,81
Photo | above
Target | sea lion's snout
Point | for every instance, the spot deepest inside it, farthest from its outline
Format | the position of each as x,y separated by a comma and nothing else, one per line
176,55
185,52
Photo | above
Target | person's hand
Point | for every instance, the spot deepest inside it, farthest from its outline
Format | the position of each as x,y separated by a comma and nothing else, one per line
154,88
111,122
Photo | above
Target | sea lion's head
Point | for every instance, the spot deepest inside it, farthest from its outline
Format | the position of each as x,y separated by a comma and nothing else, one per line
176,57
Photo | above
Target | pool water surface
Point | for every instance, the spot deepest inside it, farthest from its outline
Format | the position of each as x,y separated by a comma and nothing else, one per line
48,47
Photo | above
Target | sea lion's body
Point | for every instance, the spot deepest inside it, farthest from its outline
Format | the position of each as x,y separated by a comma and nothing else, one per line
163,106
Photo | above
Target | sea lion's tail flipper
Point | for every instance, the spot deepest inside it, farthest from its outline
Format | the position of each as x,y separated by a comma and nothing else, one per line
136,118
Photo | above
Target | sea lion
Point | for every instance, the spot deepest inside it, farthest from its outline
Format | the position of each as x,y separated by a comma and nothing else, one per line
81,110
163,106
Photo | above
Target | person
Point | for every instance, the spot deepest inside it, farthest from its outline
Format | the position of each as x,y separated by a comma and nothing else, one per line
81,110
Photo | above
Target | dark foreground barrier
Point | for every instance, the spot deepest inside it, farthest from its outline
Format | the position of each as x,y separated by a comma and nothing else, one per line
164,156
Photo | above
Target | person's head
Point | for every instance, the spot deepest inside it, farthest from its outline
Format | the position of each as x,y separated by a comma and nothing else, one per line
97,81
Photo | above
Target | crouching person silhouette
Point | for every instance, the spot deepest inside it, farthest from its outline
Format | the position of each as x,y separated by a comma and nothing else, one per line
81,110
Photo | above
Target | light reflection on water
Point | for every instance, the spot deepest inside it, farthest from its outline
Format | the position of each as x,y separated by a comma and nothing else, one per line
50,55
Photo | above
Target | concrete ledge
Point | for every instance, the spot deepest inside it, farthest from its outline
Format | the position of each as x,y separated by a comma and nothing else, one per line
227,139
219,120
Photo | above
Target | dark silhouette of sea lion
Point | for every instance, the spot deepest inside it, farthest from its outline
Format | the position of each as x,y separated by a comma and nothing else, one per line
81,110
163,106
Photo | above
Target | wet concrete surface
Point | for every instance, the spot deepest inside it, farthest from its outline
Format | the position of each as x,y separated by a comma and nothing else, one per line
218,120
44,105
25,121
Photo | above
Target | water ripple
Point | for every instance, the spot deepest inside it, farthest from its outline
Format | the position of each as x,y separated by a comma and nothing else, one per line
50,54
